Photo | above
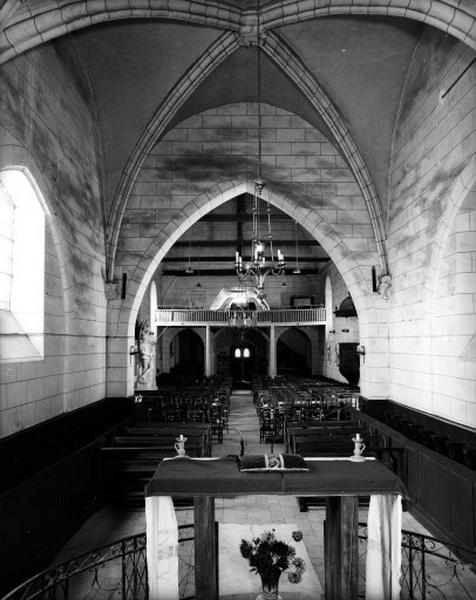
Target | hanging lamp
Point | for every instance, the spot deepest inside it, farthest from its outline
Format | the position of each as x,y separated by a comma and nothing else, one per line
258,267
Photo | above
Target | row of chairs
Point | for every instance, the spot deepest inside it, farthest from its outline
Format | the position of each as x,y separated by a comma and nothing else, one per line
283,404
134,449
212,408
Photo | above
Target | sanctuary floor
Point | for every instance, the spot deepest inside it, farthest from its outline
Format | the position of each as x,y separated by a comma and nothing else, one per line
111,523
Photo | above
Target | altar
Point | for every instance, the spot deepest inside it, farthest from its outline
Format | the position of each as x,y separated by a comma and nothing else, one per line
341,481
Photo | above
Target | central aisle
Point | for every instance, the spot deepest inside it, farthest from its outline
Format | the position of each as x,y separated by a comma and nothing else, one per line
243,417
240,513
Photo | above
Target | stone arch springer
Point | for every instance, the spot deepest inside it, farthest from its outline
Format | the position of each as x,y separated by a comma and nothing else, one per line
304,81
24,28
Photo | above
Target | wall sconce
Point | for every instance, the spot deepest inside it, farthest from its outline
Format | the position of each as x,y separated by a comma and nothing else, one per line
132,352
345,330
361,350
332,330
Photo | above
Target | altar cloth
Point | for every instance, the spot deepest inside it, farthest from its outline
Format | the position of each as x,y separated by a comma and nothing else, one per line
188,477
221,477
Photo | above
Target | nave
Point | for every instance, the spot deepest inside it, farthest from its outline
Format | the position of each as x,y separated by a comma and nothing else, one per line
112,522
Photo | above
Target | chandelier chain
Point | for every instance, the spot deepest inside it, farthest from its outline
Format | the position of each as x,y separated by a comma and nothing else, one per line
258,267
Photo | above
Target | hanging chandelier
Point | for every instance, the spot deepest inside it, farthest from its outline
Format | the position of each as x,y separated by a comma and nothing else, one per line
259,266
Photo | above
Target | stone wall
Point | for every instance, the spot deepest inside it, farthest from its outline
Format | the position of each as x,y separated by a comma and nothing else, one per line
431,233
209,159
46,126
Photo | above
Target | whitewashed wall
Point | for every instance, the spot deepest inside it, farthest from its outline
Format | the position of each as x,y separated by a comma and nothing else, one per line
432,317
46,126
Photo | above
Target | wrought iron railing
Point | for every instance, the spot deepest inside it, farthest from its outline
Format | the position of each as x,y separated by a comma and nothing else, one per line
117,570
188,316
431,568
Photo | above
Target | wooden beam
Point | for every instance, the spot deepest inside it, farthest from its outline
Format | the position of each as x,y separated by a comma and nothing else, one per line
341,548
206,557
241,218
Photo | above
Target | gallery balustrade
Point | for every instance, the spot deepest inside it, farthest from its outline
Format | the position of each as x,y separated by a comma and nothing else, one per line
240,318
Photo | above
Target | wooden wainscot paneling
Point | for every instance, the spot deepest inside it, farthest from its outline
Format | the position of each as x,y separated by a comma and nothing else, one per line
39,515
442,491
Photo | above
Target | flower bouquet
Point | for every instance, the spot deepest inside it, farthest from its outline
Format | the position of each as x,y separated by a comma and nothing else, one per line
269,557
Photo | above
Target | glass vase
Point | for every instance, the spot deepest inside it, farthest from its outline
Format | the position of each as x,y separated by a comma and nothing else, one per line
269,587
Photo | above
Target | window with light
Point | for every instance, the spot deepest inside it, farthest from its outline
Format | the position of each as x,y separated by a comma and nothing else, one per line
22,266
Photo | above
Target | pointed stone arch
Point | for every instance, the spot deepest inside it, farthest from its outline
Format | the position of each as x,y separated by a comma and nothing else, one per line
122,314
310,219
24,28
451,16
304,81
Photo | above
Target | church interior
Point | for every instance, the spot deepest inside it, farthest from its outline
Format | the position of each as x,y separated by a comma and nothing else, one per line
251,223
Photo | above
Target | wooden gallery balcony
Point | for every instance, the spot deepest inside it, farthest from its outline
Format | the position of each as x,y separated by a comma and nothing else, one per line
200,317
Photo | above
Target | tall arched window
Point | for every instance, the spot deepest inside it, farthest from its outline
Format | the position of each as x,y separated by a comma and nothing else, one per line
328,304
22,266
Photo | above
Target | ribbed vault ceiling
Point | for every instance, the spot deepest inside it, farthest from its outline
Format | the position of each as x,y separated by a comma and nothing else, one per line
132,66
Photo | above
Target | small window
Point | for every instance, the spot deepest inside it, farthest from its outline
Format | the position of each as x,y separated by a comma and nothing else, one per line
237,352
246,353
22,266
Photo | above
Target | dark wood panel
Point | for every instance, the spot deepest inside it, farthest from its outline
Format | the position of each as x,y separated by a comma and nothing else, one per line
39,515
434,493
462,498
442,491
32,450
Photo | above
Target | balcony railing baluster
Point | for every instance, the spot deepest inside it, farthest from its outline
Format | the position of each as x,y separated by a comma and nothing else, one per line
263,318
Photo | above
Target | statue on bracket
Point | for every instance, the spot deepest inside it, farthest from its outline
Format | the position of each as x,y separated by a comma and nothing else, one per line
144,353
385,283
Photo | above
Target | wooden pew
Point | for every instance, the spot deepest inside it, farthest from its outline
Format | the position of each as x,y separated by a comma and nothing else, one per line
322,428
130,462
160,429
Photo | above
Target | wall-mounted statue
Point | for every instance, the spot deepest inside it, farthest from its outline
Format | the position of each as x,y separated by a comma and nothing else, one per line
145,351
384,286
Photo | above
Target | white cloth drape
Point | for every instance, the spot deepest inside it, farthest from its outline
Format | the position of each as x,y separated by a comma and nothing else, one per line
162,548
384,540
383,565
